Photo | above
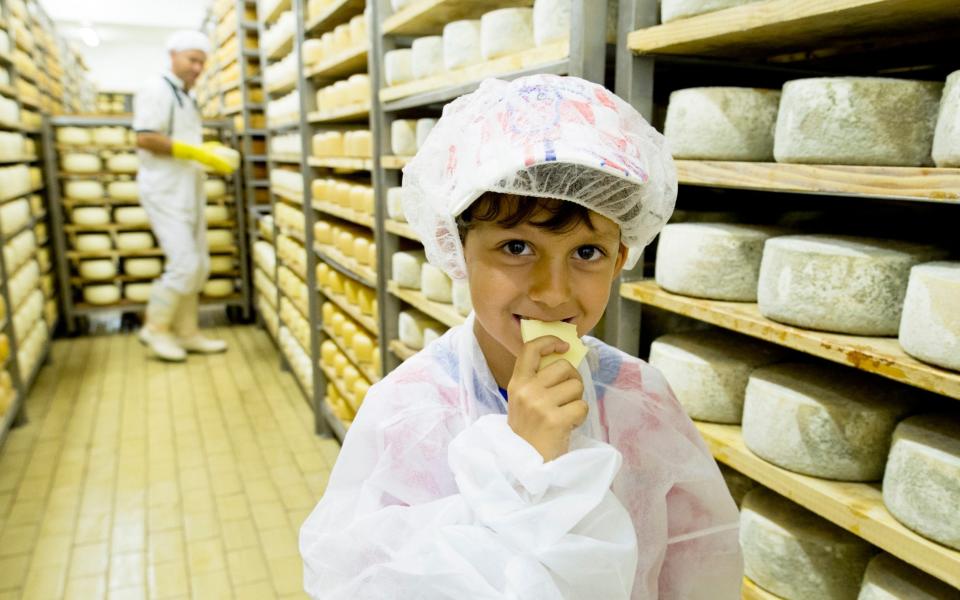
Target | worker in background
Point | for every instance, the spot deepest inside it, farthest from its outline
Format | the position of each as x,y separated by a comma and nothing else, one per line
173,156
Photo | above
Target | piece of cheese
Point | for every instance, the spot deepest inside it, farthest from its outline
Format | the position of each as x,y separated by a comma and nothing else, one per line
551,21
435,284
216,213
461,44
411,325
328,351
110,136
708,370
143,267
395,205
403,137
214,189
361,250
218,288
131,215
336,323
137,292
426,57
888,578
930,323
921,486
135,240
857,121
822,419
81,163
221,264
362,345
793,553
90,215
340,363
424,127
722,123
123,163
123,190
219,238
406,268
531,329
838,283
946,138
462,301
73,136
84,190
101,294
671,10
365,300
505,31
92,242
323,233
347,331
398,66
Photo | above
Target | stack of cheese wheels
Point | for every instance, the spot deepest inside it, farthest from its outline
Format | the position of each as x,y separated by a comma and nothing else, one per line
76,162
435,284
398,66
930,324
461,44
722,123
403,137
822,419
946,138
672,10
426,56
720,261
838,283
506,31
857,121
793,553
406,268
708,370
888,578
921,486
416,329
738,483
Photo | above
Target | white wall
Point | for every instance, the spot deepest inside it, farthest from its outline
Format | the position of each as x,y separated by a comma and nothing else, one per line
121,65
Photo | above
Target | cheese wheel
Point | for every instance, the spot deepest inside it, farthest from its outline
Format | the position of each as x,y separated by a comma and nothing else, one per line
341,193
946,138
822,419
327,311
312,51
137,292
218,288
722,123
328,351
737,483
345,243
362,345
432,332
435,284
837,283
426,56
406,268
214,189
90,215
857,121
361,143
361,250
123,190
398,66
73,136
888,578
143,267
84,190
110,136
358,198
131,215
221,264
720,261
551,21
372,255
930,323
219,238
216,213
921,486
135,240
793,553
92,242
350,290
411,325
347,331
323,233
335,282
671,10
424,127
403,137
101,294
98,269
505,31
81,163
360,389
708,370
340,363
461,44
462,301
336,323
365,299
123,163
395,205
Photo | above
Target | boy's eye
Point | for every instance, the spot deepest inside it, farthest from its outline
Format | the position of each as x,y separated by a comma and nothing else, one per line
590,253
517,247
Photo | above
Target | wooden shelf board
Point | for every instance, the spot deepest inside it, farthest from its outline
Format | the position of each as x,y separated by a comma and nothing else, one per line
341,162
445,313
366,370
395,162
401,350
428,17
346,214
909,183
401,229
347,265
369,322
350,112
879,355
776,26
857,507
348,62
22,159
341,11
520,61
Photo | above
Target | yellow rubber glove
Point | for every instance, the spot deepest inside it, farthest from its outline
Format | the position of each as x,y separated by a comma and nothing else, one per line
203,155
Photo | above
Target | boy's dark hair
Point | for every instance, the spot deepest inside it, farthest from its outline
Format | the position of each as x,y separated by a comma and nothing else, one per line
510,210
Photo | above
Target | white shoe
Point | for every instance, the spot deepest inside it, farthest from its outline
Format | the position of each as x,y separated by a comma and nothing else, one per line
163,345
202,345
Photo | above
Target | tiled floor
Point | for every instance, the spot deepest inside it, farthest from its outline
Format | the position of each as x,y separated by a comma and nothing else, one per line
138,479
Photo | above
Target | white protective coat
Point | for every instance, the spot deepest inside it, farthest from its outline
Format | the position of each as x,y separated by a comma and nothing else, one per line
171,190
434,496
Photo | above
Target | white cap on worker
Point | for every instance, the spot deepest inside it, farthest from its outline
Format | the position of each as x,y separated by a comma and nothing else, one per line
188,39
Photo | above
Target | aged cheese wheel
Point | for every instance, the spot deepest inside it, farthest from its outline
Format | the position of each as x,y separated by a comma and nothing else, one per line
720,261
98,269
888,578
708,370
435,284
822,419
738,483
90,215
101,294
219,238
123,190
358,30
921,486
92,242
398,66
505,31
461,44
123,163
722,123
406,268
551,21
137,292
946,138
360,143
930,324
398,4
403,137
462,301
411,326
341,193
793,553
345,243
131,215
857,121
84,190
73,136
347,331
218,288
110,136
350,290
216,213
81,163
221,264
837,283
328,351
365,298
361,250
395,205
323,233
426,57
143,267
671,10
312,51
424,127
215,189
135,240
372,255
362,345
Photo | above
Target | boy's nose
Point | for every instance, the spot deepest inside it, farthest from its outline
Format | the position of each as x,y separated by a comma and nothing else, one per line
549,284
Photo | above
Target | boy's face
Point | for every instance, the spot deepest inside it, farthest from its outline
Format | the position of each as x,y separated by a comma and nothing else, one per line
531,272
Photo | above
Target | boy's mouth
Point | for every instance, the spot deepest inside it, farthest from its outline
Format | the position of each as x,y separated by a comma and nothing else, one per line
517,318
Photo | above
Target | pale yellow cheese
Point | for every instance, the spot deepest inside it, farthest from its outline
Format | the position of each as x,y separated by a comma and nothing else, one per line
531,329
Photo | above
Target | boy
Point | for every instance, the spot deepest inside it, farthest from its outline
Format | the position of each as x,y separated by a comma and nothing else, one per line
470,472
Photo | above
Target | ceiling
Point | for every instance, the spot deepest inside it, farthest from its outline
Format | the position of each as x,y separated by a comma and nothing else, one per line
165,14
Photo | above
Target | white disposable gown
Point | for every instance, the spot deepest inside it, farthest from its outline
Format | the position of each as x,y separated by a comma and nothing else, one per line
434,496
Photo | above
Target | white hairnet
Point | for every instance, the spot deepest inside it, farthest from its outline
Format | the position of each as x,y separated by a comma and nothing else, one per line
188,39
545,136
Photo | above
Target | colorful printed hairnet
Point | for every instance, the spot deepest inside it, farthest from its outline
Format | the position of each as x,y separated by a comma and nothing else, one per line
545,136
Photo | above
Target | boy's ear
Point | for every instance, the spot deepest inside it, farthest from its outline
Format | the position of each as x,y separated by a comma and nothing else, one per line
621,258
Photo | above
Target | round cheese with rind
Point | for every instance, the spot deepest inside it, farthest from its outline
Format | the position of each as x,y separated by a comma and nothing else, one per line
131,215
426,57
214,189
101,294
123,190
888,578
98,269
823,419
92,242
424,127
411,326
921,486
218,288
551,21
505,31
90,215
123,163
135,240
73,136
838,283
219,238
403,137
930,323
83,190
946,138
143,267
215,213
137,292
81,163
406,268
435,284
461,44
395,205
398,66
221,264
110,136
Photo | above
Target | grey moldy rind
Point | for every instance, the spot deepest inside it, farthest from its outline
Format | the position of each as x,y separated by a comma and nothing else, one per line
888,578
930,324
946,139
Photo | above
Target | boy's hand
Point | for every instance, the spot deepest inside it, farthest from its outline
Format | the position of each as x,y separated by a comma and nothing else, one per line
545,406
